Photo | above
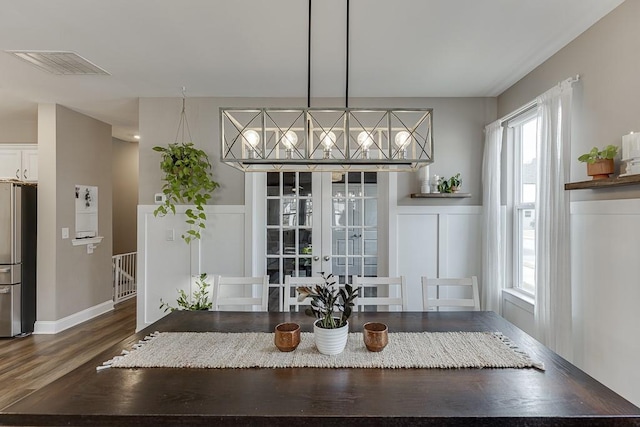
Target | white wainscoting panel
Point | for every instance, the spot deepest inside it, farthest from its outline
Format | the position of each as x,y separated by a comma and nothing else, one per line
166,265
436,241
605,245
605,286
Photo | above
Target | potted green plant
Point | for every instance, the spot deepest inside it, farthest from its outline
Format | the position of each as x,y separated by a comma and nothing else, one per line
187,180
455,182
198,301
450,185
600,162
332,308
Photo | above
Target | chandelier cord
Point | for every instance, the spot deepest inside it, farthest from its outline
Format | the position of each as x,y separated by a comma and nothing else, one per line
346,94
309,60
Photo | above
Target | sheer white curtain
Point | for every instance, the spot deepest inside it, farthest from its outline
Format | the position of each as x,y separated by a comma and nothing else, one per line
492,260
553,267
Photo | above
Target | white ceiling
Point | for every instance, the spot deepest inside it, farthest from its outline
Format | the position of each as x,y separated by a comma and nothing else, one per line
247,48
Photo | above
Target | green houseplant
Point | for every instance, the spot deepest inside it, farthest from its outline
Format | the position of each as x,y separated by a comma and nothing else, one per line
600,162
332,308
187,180
450,185
327,301
198,301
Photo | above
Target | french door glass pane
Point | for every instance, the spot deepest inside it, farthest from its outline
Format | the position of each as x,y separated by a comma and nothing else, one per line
289,233
354,224
293,240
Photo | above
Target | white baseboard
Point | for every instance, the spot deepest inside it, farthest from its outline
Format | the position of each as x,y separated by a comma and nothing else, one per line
43,327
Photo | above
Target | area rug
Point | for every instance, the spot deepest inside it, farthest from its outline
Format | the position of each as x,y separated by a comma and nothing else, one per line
446,350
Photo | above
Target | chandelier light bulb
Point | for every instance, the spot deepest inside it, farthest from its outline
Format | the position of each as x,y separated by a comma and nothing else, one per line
290,139
251,137
365,140
403,138
327,139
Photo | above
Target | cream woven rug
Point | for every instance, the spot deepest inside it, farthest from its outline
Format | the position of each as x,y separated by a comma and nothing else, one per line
256,350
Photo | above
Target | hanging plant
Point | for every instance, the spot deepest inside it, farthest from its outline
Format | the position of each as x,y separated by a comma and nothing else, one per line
187,180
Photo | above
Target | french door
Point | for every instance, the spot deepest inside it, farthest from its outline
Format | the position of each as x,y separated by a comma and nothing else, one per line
320,222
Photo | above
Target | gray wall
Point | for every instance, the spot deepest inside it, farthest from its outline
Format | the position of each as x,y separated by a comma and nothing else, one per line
606,106
125,196
18,131
73,149
457,130
458,141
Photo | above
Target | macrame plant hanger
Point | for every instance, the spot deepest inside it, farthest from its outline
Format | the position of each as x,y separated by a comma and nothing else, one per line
183,124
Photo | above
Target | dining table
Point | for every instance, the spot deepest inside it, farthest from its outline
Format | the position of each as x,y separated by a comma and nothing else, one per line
561,394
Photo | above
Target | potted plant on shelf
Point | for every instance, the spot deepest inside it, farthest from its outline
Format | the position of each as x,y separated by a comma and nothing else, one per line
187,180
332,308
451,185
600,162
198,301
455,182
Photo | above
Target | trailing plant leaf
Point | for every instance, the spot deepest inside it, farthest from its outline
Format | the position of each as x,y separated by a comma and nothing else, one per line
198,301
187,180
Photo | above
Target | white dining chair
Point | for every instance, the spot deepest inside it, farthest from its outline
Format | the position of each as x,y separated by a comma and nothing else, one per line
450,293
291,302
239,293
383,287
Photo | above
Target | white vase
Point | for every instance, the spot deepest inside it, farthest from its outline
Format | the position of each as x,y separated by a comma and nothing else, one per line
330,341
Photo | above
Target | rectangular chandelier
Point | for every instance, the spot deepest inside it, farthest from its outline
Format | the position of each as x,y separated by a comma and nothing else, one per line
326,139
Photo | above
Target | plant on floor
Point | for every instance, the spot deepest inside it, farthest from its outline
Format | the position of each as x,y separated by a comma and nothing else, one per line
188,180
198,301
331,305
608,152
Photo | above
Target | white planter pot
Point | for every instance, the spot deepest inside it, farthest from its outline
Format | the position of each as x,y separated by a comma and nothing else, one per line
330,341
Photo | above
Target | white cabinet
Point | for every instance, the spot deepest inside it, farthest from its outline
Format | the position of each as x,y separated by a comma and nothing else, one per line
30,164
10,163
19,162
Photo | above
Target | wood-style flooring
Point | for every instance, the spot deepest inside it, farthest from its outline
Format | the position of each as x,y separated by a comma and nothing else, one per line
27,364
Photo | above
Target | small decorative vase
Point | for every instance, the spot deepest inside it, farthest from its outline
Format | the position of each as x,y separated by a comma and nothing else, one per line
601,169
375,336
330,341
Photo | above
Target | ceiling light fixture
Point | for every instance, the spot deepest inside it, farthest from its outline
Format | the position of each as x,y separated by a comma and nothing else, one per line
326,139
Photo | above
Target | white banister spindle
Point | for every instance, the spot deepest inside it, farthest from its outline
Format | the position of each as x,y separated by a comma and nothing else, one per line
124,276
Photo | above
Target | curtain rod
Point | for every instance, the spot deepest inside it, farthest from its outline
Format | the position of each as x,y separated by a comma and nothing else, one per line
531,104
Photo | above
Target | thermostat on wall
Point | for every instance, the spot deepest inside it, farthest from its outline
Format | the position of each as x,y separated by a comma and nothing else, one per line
160,198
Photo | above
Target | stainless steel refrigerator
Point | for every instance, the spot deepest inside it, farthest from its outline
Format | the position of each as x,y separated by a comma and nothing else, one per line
18,235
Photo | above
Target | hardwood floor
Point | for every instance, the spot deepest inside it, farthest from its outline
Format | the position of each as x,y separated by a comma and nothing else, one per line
27,364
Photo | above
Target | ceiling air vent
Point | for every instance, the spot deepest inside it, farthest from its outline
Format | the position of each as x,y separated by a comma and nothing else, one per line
59,62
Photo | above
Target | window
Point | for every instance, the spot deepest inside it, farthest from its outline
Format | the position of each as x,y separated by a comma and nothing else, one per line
524,143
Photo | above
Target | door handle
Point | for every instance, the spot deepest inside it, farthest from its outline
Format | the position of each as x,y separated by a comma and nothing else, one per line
5,270
316,258
17,173
327,257
25,174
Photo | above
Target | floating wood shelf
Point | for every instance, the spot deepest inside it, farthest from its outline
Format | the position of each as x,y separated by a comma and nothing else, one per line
603,183
440,195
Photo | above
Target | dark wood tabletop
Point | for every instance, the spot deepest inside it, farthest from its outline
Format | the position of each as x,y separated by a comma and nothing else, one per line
560,395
